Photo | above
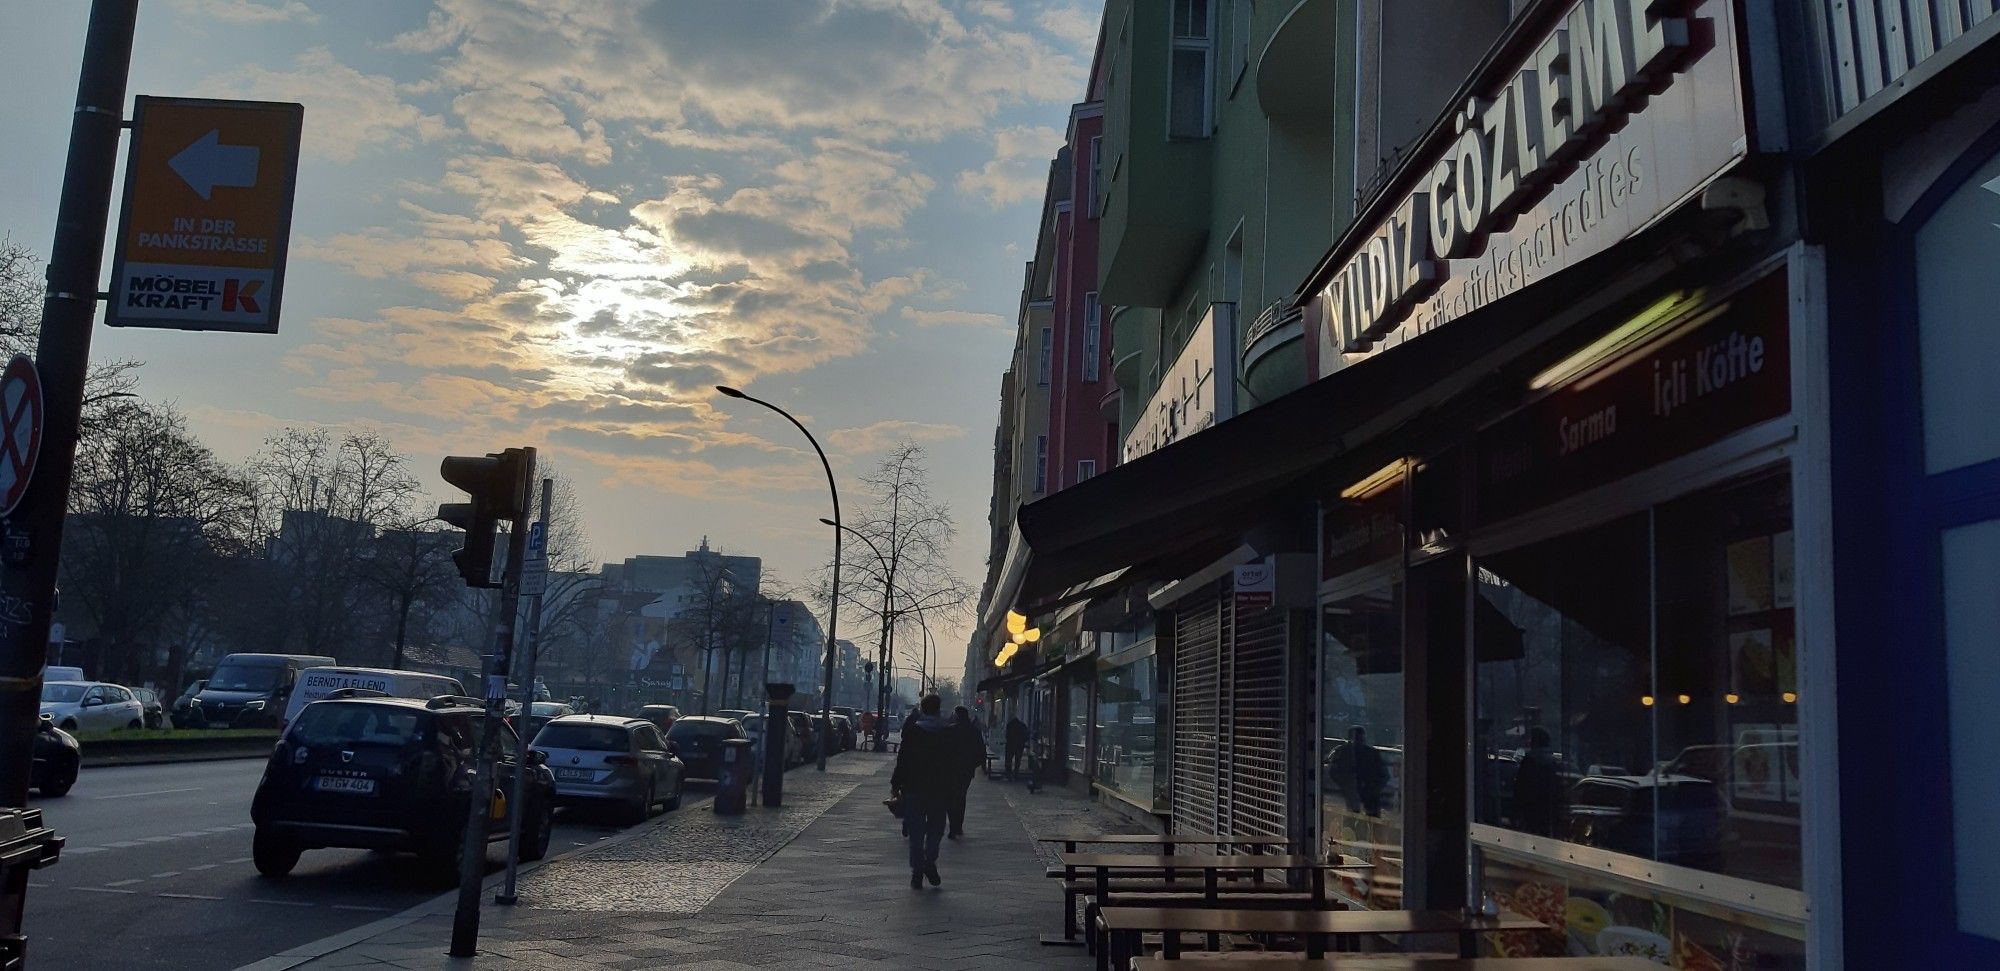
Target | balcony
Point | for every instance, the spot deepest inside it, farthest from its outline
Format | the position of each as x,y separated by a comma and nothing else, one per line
1274,353
1295,72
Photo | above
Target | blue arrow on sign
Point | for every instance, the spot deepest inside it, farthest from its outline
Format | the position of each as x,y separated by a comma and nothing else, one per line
208,163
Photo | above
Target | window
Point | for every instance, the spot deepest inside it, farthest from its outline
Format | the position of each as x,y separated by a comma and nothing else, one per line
1048,355
1094,208
1085,469
1956,291
1125,720
1093,336
1041,464
1239,41
1361,734
1971,555
1190,75
1637,686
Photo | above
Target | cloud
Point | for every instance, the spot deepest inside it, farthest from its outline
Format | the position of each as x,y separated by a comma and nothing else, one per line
347,112
1076,25
953,318
1019,169
244,12
884,435
523,121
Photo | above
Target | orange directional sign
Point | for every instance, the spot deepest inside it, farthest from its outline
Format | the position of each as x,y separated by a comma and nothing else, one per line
207,215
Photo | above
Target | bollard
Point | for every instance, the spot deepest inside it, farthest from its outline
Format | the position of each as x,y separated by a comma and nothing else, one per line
778,712
734,783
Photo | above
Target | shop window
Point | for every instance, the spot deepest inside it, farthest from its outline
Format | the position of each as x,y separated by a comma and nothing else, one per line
1726,795
1971,559
1638,686
1361,736
1959,346
1564,687
1079,727
1125,720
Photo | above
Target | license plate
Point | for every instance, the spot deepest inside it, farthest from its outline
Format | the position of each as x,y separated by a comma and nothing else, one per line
341,783
575,775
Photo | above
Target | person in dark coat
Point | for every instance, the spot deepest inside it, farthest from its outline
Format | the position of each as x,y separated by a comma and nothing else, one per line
927,762
971,748
1017,742
1538,787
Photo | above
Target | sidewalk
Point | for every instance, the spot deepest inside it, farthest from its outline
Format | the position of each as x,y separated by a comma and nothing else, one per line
819,883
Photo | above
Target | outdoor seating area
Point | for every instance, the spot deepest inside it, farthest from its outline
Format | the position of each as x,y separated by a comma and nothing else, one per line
1188,902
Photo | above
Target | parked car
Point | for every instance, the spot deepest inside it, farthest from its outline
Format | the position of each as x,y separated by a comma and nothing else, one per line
57,759
698,741
92,706
753,728
252,690
802,726
63,672
156,713
601,759
316,683
737,713
390,774
184,714
1670,818
662,716
843,732
542,712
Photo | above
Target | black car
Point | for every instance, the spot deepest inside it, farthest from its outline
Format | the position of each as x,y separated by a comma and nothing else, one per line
57,759
698,739
389,774
156,713
185,713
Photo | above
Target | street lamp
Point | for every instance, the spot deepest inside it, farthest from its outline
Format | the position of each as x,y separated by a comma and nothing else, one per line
882,647
833,603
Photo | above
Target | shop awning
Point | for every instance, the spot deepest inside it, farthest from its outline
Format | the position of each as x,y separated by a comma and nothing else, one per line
1176,509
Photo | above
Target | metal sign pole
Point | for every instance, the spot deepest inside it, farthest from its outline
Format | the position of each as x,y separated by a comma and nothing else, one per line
465,920
521,767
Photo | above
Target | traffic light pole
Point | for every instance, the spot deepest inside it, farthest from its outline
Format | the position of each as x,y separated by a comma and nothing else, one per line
465,921
521,767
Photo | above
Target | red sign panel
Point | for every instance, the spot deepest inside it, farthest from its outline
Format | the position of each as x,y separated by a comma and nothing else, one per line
20,430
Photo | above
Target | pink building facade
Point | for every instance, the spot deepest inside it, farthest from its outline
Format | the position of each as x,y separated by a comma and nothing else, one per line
1083,399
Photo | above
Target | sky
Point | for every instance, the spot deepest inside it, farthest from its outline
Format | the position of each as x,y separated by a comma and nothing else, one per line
558,223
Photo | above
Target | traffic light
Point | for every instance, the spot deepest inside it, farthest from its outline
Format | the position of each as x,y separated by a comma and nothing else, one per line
497,484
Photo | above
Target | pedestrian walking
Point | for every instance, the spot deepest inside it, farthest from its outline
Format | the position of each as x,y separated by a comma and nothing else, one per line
970,747
926,774
1017,742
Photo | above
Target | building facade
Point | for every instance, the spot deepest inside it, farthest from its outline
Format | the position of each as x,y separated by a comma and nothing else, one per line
1621,555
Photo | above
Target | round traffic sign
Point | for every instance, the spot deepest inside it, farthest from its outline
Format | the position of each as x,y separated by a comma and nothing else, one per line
21,413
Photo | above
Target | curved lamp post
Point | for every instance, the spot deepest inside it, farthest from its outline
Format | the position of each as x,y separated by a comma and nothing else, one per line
833,603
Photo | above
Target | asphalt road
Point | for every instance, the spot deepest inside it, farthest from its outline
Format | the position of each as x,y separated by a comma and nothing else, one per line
157,874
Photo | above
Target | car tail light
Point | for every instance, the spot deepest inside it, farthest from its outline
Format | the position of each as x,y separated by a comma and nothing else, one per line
620,760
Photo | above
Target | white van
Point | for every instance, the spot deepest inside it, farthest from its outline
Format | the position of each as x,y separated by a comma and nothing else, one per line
317,683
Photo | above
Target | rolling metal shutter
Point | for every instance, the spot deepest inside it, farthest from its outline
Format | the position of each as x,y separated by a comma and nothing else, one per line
1257,778
1197,680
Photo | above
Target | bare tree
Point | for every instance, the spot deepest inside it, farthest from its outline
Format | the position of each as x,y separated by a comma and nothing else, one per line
21,291
154,521
900,567
322,501
410,562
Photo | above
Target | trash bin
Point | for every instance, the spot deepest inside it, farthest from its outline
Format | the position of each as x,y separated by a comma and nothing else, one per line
734,783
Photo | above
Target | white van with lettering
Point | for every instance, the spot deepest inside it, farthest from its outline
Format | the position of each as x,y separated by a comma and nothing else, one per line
316,683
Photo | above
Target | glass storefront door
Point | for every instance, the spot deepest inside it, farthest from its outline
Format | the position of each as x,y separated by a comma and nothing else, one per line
1361,734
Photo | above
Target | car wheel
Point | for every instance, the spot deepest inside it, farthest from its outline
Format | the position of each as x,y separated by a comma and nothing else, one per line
134,725
58,788
68,725
535,837
273,855
643,809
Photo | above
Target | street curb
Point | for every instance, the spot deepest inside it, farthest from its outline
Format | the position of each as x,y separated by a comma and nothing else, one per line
447,902
114,761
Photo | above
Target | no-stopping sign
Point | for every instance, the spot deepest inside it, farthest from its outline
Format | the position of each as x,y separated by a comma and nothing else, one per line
20,430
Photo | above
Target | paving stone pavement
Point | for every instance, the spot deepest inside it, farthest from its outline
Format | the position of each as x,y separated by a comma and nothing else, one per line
820,883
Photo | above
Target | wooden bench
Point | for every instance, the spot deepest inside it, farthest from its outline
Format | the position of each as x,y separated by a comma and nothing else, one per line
1319,928
1389,962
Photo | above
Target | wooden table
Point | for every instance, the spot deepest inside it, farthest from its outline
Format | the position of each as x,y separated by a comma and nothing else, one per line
1393,962
1343,928
1166,840
1208,866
